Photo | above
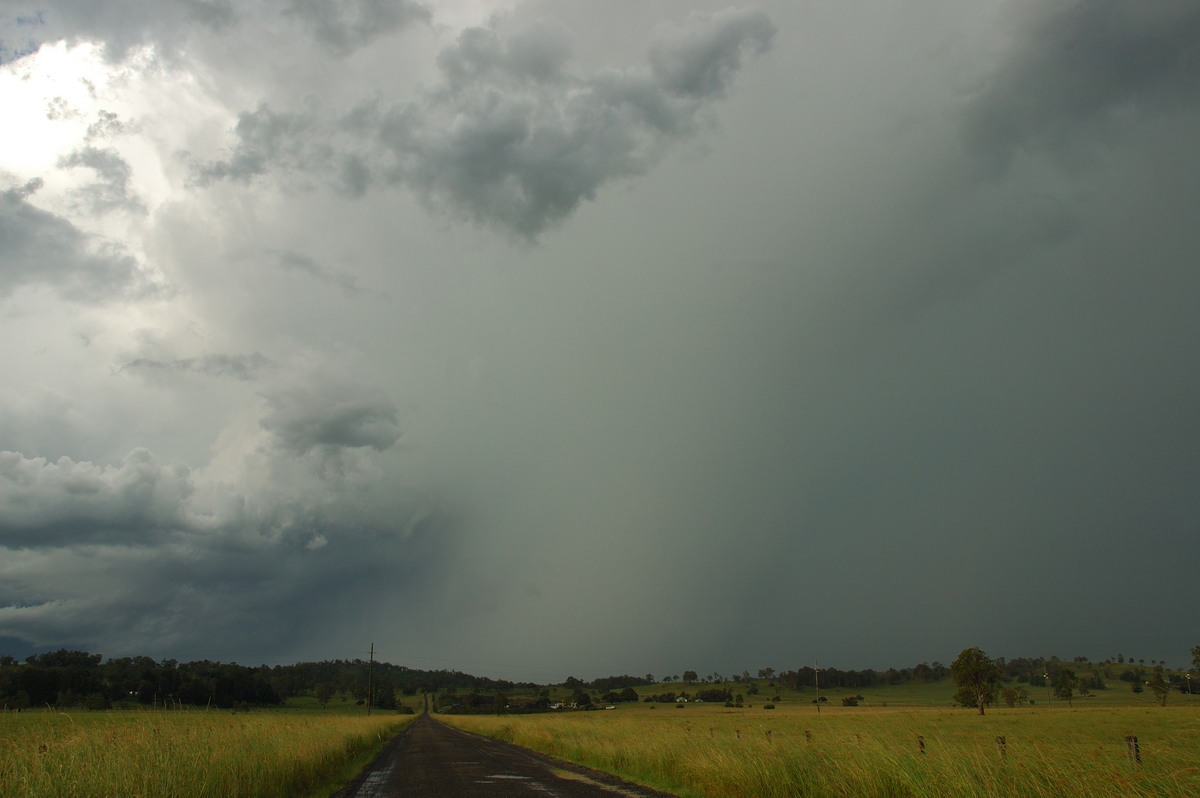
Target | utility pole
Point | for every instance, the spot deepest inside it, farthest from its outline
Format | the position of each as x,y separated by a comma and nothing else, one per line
371,680
817,682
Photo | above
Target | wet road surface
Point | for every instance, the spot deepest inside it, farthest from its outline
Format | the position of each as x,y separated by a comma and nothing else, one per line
433,760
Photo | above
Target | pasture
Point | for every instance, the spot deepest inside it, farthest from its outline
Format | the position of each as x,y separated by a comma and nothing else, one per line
712,751
199,754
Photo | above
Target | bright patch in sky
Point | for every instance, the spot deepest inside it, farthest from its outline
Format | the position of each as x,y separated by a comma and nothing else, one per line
54,94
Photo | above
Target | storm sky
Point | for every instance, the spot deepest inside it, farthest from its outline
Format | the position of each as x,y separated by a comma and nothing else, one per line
551,337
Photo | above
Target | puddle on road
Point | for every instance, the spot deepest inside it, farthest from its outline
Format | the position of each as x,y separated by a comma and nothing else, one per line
570,775
372,786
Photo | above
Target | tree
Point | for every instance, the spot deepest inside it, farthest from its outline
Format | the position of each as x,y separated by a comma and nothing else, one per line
1014,696
1196,658
1160,686
689,676
1065,688
977,677
385,696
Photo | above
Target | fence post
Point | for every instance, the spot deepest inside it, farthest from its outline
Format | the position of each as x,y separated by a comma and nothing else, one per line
1133,749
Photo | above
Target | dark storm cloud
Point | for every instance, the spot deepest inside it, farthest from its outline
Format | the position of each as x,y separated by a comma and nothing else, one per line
142,557
39,248
221,597
111,191
512,138
1082,68
331,416
346,26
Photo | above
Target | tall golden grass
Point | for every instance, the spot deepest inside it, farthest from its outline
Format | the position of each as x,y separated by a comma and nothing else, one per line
194,754
754,753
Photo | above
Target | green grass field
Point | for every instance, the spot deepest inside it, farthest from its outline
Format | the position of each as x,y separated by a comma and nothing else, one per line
198,754
900,741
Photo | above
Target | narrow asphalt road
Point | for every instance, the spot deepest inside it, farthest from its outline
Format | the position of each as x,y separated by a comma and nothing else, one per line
432,760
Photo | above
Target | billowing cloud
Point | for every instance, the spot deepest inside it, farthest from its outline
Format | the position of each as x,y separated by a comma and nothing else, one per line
512,137
69,503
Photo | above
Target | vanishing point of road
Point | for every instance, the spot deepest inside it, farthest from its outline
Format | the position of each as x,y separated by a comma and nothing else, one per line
432,760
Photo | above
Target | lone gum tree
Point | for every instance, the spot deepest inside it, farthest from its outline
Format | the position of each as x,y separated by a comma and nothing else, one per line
977,677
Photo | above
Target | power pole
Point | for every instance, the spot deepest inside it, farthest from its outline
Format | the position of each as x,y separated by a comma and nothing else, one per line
371,680
817,682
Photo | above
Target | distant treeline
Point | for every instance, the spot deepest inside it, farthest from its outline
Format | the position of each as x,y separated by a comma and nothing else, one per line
65,678
79,679
1035,671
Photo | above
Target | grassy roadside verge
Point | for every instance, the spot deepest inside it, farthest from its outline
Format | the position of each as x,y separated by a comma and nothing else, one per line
195,754
711,752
